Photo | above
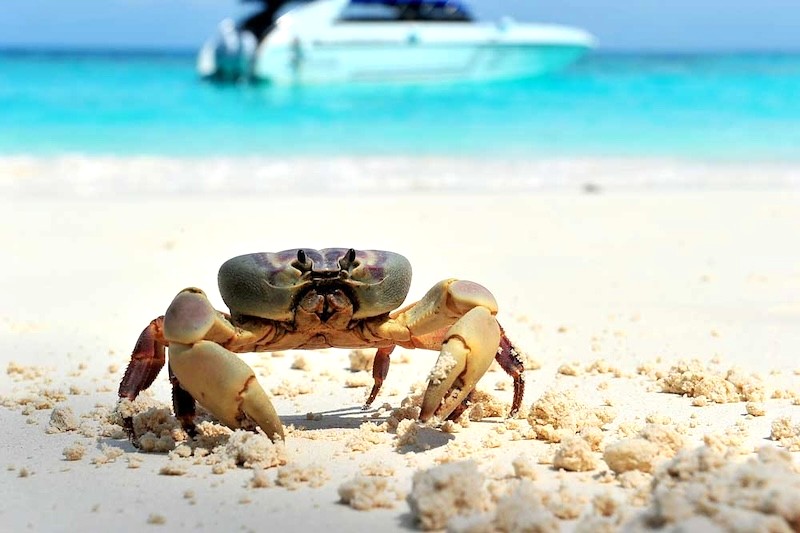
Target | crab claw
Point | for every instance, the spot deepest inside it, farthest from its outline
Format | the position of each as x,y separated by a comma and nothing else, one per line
214,376
225,385
468,350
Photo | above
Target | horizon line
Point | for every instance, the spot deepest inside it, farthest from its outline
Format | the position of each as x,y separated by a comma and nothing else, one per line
56,49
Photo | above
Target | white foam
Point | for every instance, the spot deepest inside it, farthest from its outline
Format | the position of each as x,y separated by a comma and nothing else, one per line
101,176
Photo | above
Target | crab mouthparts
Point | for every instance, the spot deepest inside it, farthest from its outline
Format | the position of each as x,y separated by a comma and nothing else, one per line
327,303
329,275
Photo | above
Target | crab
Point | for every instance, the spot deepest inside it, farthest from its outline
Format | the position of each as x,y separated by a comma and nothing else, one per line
312,299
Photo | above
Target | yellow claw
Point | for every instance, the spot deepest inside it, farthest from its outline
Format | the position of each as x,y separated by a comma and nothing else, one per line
258,408
225,385
467,352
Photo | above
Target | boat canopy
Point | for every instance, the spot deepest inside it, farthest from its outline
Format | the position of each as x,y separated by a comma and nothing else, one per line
431,10
428,3
260,22
434,3
454,5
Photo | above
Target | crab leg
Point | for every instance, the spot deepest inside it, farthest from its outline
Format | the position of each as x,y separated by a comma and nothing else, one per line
147,360
509,359
380,369
183,404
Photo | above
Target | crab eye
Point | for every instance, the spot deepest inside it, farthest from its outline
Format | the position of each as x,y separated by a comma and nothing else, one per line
302,263
347,259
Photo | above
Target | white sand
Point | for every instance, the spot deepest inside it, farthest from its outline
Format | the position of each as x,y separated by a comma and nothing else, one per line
631,278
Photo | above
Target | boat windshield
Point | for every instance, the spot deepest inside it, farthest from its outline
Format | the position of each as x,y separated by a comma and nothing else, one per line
261,21
419,10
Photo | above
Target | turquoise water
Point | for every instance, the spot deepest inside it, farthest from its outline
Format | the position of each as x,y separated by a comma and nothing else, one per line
688,106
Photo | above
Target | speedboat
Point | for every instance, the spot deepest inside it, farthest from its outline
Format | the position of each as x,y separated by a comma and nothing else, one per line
345,41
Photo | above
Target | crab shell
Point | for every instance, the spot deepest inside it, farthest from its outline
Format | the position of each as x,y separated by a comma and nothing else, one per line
269,285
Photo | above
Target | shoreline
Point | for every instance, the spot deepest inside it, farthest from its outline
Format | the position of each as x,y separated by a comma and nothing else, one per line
103,176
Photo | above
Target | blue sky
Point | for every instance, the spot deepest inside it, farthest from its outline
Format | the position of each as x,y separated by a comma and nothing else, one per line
659,25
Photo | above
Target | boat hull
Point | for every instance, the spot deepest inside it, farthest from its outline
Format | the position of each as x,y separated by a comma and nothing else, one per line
333,62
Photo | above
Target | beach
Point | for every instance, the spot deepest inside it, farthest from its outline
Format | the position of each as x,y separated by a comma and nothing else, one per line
658,315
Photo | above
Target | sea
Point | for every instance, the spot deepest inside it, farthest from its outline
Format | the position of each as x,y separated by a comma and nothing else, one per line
691,109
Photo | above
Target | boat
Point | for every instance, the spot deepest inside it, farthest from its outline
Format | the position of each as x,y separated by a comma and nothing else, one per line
346,41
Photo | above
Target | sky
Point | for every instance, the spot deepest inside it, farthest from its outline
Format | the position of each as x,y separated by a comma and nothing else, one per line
621,25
